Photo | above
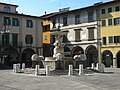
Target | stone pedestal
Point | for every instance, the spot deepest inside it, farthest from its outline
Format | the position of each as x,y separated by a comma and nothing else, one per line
80,69
70,72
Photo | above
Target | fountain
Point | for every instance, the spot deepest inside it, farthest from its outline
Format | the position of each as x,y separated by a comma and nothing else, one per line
57,62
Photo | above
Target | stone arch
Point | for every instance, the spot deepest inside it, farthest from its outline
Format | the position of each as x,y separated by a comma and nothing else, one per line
77,51
10,56
107,58
91,55
26,56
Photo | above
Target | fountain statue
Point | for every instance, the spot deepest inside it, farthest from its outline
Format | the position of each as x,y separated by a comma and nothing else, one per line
58,54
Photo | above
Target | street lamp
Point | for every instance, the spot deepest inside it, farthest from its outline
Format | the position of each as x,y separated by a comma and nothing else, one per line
3,32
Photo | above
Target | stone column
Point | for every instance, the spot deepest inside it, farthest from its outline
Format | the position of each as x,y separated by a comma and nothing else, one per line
37,70
47,70
114,63
70,72
80,69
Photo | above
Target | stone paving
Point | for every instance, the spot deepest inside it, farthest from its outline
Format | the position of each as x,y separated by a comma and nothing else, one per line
110,80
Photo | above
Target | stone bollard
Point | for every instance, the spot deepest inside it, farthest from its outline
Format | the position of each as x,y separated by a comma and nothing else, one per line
97,66
37,70
23,67
16,68
47,70
101,69
70,72
14,65
80,69
93,66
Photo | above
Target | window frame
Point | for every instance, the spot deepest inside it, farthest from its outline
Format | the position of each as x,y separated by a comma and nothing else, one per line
29,23
109,9
110,22
103,25
111,39
103,11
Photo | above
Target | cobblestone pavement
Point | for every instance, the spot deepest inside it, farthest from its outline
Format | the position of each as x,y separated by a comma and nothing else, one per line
110,80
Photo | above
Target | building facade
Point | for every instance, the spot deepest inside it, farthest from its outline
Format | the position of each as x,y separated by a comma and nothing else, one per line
20,36
110,33
82,26
46,38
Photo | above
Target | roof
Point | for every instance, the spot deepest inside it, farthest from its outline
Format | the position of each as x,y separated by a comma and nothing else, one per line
9,4
52,14
88,7
1,12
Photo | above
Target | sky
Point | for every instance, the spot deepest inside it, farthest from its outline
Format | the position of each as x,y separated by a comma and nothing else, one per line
38,7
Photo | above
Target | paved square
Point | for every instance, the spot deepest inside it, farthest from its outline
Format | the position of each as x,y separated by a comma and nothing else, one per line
96,81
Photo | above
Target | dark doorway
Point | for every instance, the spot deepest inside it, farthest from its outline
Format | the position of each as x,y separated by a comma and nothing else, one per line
118,59
9,57
107,58
26,57
92,55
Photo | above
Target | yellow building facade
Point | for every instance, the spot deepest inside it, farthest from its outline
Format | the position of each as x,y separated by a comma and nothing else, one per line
110,33
46,38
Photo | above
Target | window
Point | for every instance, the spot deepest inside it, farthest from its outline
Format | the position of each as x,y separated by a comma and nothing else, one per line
109,21
54,23
46,28
15,39
29,24
65,21
103,11
77,19
116,39
90,33
5,39
15,22
28,39
103,22
90,16
6,8
116,21
110,39
109,10
104,40
77,34
117,8
7,21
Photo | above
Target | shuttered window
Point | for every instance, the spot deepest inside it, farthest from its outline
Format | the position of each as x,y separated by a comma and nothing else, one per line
91,34
28,39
